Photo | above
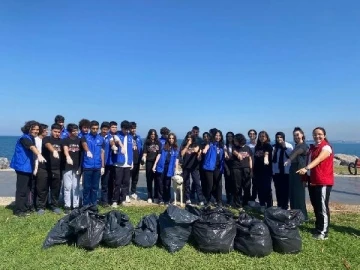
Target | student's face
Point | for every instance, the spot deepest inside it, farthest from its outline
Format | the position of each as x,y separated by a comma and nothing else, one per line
195,132
133,131
104,131
217,137
85,130
113,129
61,124
94,130
229,137
152,136
252,135
171,139
206,138
298,137
34,131
318,136
262,137
74,133
55,133
45,132
279,139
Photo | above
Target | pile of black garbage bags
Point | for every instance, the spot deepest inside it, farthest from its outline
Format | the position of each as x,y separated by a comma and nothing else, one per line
213,230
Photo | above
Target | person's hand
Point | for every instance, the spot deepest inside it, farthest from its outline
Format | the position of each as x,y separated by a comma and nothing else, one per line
287,163
56,154
123,150
89,154
266,160
154,168
302,171
40,158
69,160
283,144
114,148
78,172
116,138
102,171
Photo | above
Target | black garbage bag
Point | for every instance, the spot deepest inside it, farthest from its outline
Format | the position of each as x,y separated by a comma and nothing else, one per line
175,227
252,237
118,229
89,228
147,231
194,210
283,226
62,233
215,230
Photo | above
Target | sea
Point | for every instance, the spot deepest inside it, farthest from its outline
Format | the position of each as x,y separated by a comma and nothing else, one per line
7,146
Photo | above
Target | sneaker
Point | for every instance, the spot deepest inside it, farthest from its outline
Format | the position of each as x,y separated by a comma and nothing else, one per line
149,200
201,203
115,205
134,196
188,202
41,212
320,237
57,211
67,210
127,199
161,203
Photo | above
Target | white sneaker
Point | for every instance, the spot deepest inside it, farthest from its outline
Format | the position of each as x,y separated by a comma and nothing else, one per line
134,196
115,205
127,199
149,200
188,202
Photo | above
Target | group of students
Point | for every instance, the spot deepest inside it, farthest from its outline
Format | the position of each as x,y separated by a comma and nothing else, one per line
113,157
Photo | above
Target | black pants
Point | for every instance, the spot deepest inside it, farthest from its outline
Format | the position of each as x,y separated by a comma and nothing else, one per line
23,185
195,175
229,186
150,179
164,185
242,179
48,179
254,189
263,183
281,183
111,182
106,179
122,183
134,177
32,196
319,197
213,185
202,179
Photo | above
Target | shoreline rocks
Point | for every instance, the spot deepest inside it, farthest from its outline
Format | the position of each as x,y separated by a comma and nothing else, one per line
343,159
4,163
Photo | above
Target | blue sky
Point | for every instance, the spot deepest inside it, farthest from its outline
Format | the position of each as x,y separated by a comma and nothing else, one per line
233,65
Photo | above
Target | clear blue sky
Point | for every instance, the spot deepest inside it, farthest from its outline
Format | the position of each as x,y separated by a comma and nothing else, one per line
224,64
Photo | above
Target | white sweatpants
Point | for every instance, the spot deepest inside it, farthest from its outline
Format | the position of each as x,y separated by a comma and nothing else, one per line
71,187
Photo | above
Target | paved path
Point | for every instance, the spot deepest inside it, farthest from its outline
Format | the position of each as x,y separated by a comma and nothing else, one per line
346,189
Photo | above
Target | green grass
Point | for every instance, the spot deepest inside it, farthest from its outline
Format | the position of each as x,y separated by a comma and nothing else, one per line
22,238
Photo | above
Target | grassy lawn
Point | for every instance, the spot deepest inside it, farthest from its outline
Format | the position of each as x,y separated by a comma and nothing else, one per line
22,238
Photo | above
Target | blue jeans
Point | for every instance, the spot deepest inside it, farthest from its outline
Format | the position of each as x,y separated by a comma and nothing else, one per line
91,181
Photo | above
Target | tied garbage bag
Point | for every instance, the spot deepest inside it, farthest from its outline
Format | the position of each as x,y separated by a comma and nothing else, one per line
194,210
118,229
283,226
175,227
62,233
252,237
146,232
89,228
215,230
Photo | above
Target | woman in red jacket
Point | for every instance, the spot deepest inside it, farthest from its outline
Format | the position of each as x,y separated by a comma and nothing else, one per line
320,171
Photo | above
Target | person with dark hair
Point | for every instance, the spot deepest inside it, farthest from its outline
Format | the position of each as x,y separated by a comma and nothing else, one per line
190,167
104,132
252,134
281,152
23,164
164,131
320,177
214,166
196,131
123,164
60,120
296,161
206,141
71,177
241,170
49,173
93,163
109,165
152,148
165,166
84,126
263,169
137,155
229,181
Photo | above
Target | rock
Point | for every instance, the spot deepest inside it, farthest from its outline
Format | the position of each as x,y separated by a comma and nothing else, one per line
345,159
4,163
337,162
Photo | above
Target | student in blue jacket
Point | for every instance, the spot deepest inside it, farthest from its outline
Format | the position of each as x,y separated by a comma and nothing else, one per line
166,165
214,166
23,164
